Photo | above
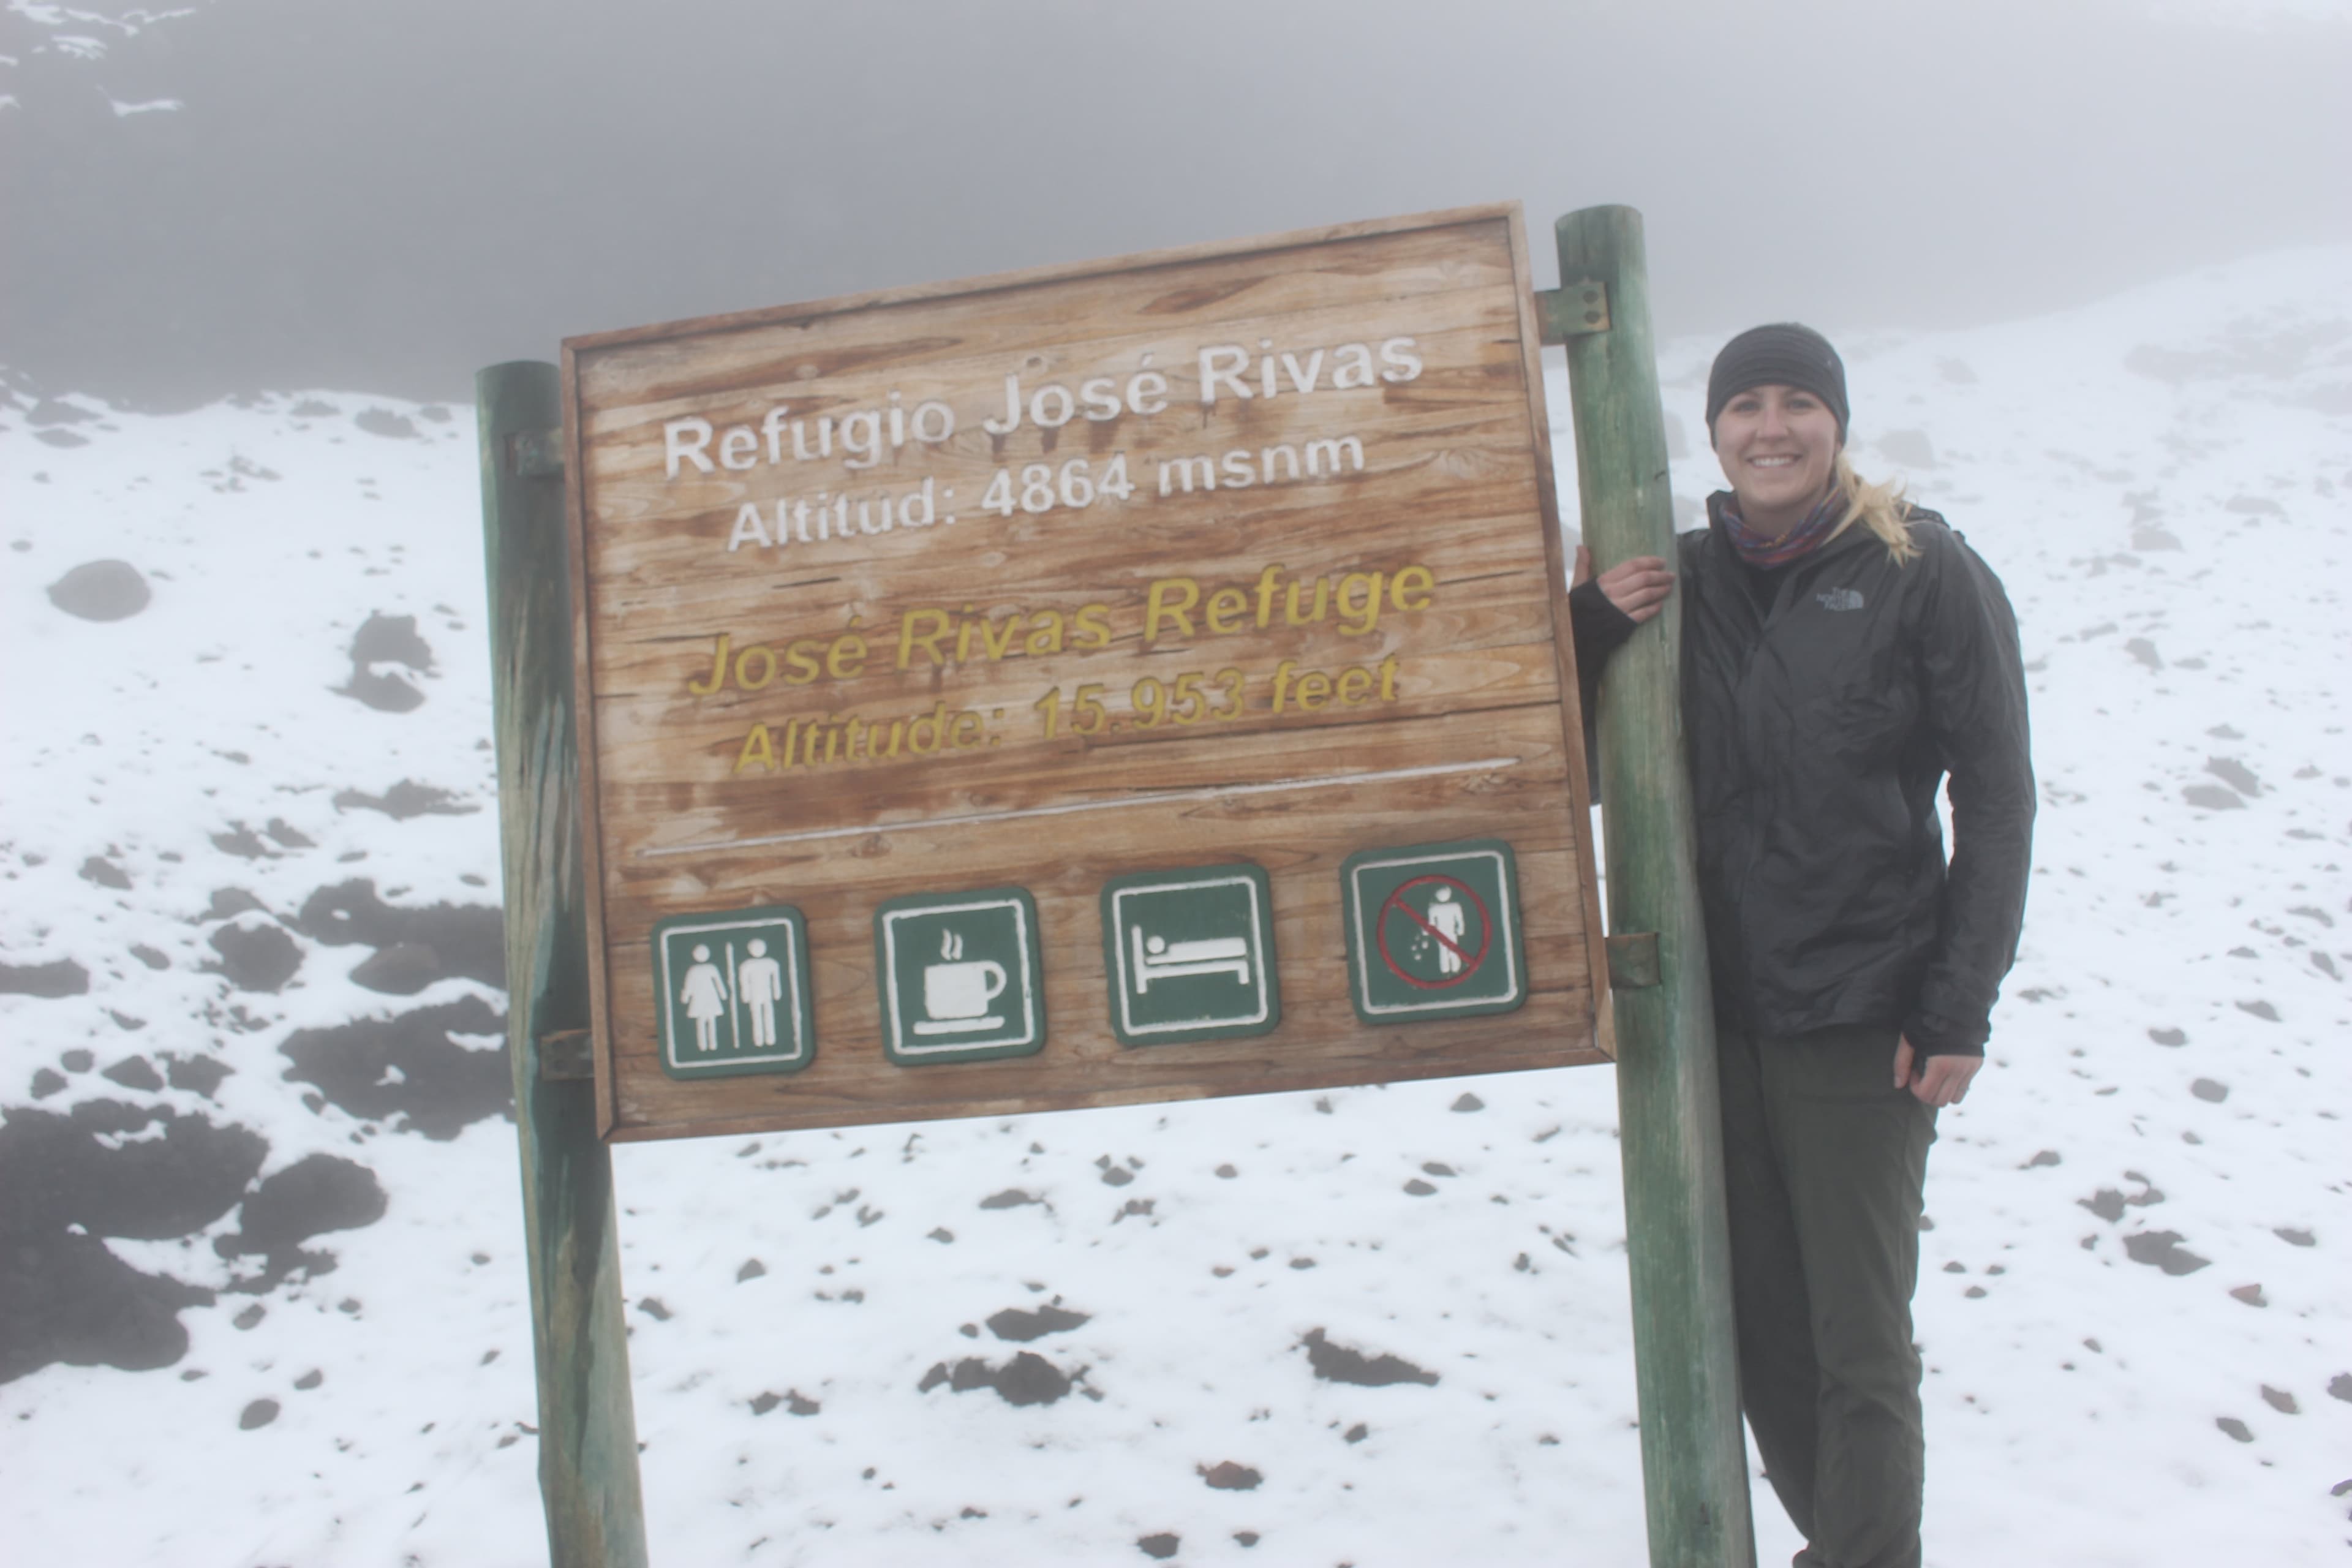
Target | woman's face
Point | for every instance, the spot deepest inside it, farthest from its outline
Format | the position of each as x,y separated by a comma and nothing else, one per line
1777,444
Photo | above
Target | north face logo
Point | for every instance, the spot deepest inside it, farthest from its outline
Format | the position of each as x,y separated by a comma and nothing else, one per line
1841,599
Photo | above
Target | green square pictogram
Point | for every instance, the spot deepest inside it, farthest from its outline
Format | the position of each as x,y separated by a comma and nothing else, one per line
1190,955
1434,932
734,992
959,976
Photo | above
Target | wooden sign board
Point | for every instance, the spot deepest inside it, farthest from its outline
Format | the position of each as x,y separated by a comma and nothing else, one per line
1139,680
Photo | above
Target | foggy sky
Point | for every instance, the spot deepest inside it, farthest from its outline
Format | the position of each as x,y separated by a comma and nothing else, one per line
384,194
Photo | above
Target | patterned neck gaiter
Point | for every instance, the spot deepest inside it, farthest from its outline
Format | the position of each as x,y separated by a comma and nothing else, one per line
1764,554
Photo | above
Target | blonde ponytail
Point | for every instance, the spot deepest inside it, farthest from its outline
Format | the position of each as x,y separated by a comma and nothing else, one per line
1879,507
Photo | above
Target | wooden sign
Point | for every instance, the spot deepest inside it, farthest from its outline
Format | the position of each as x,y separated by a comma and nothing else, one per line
1138,680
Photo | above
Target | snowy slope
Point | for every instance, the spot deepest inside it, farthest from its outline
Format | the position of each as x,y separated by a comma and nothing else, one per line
260,1155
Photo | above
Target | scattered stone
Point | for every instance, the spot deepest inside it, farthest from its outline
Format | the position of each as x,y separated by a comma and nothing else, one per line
260,1412
2169,1036
1246,1537
1162,1545
2234,774
401,970
2340,1386
763,1403
313,1196
2143,651
2208,1089
230,902
752,1269
942,1234
1021,1327
125,1022
652,1306
1027,1379
1117,1176
2213,797
290,837
1467,1101
1229,1476
135,1072
314,1377
242,842
1337,1364
1419,1188
385,422
1436,1168
404,800
1009,1198
105,873
2162,1249
2280,1400
466,940
2262,1010
2234,1427
47,1081
57,411
198,1075
259,957
78,1060
2295,1235
2252,1295
101,591
62,977
438,1086
1356,1434
2046,1157
250,1318
313,409
149,956
798,1405
1226,1173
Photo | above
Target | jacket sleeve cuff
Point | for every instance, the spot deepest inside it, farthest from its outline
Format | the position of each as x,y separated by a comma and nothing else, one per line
1598,625
1933,1036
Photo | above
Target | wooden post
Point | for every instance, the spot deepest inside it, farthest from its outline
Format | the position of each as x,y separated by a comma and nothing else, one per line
1694,1465
587,1427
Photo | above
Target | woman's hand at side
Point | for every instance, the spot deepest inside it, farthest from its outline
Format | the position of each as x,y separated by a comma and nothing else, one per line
1938,1081
1638,586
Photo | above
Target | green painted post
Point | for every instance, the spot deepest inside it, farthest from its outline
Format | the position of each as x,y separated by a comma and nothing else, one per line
1694,1465
587,1427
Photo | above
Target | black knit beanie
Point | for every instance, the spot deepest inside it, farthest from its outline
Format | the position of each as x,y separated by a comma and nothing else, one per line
1784,354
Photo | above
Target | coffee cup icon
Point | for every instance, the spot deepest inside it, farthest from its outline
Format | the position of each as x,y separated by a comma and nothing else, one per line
957,992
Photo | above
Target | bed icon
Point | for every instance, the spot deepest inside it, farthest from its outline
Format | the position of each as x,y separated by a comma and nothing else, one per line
1190,955
1157,958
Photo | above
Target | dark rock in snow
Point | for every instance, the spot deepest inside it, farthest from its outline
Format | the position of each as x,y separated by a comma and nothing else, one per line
391,639
385,422
2208,1089
2280,1400
2106,1202
1021,1327
2162,1249
1229,1476
2045,1157
309,1197
291,837
1009,1198
1467,1101
2169,1036
259,957
242,842
47,1081
230,902
198,1075
2252,1295
653,1308
1337,1364
2234,774
260,1412
62,977
1027,1379
401,970
105,873
2212,797
77,1060
468,940
2294,1236
385,693
135,1072
2262,1010
405,799
408,1066
752,1269
2340,1386
101,591
2234,1427
1161,1546
63,1296
149,956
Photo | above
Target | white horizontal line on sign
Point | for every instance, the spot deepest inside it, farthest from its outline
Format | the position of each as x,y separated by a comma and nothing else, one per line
1161,798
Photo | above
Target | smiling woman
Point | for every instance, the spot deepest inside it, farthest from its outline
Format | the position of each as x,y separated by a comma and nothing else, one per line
1843,651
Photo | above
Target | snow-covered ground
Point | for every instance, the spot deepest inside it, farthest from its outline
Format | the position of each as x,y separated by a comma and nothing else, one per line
260,1239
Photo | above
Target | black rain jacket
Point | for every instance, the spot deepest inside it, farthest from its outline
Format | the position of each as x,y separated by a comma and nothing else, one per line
1822,716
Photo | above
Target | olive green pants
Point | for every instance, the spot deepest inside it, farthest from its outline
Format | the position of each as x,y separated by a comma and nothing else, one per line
1824,1161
